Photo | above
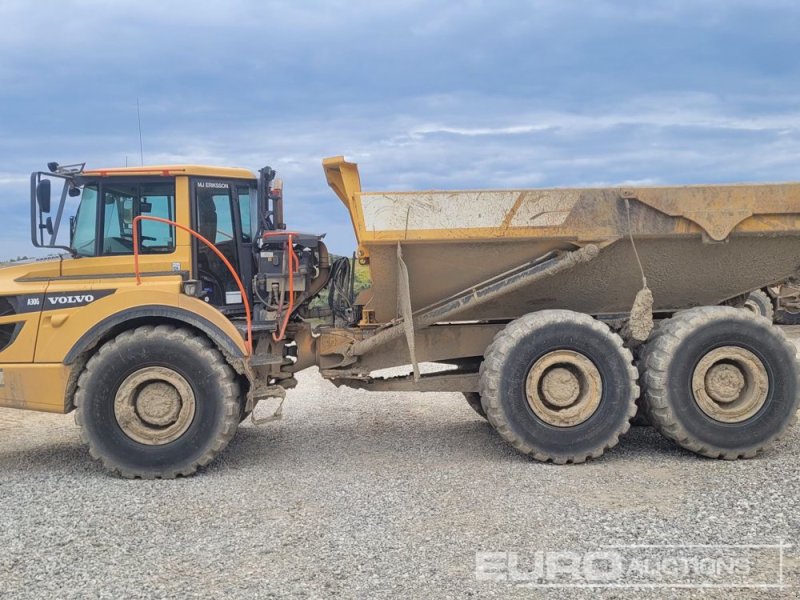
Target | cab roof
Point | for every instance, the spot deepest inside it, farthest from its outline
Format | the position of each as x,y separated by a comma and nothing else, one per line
171,171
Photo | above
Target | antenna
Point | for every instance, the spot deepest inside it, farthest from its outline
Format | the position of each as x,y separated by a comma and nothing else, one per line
139,118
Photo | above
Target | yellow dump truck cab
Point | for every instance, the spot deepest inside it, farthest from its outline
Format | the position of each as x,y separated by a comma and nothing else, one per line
55,311
159,354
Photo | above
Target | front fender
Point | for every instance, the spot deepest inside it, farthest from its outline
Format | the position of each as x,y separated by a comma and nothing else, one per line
229,342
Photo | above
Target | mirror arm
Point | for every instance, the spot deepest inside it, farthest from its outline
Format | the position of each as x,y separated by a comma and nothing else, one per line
34,221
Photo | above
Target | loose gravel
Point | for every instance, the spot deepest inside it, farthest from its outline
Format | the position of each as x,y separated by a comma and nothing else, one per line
365,495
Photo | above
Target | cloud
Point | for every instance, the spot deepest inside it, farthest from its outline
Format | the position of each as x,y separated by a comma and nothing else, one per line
421,94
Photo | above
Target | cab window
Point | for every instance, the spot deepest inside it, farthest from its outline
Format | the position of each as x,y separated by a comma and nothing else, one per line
122,202
243,195
83,227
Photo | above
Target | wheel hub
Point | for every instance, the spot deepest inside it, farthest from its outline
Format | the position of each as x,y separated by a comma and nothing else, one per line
564,388
560,387
158,403
724,382
154,406
730,384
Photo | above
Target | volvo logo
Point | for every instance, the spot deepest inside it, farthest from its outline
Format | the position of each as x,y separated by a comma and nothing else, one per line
61,300
81,299
57,300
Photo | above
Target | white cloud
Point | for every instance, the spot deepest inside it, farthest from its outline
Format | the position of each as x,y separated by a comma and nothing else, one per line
423,95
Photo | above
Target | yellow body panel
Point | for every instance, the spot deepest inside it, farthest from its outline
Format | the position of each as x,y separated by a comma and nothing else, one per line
13,283
60,329
34,387
42,383
174,170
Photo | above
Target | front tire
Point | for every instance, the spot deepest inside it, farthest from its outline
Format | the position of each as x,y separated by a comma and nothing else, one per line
157,402
720,382
559,386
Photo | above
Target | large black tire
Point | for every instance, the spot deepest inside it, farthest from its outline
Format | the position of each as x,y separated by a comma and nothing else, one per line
759,303
640,417
243,412
511,362
188,391
474,401
766,399
784,317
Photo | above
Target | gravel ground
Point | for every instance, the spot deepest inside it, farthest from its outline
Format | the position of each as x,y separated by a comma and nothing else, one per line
372,495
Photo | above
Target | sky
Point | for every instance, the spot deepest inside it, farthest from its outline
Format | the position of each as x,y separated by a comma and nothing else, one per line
423,95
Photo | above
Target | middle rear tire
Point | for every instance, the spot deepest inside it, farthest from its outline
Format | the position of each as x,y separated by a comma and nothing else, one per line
559,386
759,303
474,401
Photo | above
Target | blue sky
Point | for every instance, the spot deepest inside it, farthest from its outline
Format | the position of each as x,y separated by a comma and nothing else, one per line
421,94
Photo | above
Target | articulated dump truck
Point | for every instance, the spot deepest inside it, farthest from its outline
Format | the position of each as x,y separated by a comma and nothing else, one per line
182,299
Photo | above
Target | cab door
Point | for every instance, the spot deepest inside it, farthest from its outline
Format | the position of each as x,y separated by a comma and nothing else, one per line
221,210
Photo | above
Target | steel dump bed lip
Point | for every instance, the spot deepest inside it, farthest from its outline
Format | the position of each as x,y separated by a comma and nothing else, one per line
715,210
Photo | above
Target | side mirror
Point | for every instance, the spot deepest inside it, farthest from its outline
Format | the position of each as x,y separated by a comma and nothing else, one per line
43,195
47,226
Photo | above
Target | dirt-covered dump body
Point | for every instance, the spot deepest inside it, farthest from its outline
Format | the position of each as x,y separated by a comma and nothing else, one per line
699,245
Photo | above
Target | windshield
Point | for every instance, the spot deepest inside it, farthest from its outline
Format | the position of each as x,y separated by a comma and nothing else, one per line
83,228
103,223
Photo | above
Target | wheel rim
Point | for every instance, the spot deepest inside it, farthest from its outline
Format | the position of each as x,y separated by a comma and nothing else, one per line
154,406
730,384
754,307
564,388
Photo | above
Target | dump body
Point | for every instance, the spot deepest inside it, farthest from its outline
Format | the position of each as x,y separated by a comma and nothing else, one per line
698,245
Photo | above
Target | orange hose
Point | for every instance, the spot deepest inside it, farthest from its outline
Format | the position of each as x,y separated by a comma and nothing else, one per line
245,299
293,263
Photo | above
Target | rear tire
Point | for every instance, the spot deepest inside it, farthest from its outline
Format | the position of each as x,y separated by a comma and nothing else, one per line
721,382
157,402
784,317
640,418
243,412
759,303
474,401
559,386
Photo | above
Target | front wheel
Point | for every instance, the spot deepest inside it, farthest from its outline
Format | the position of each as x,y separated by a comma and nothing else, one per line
559,386
157,402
